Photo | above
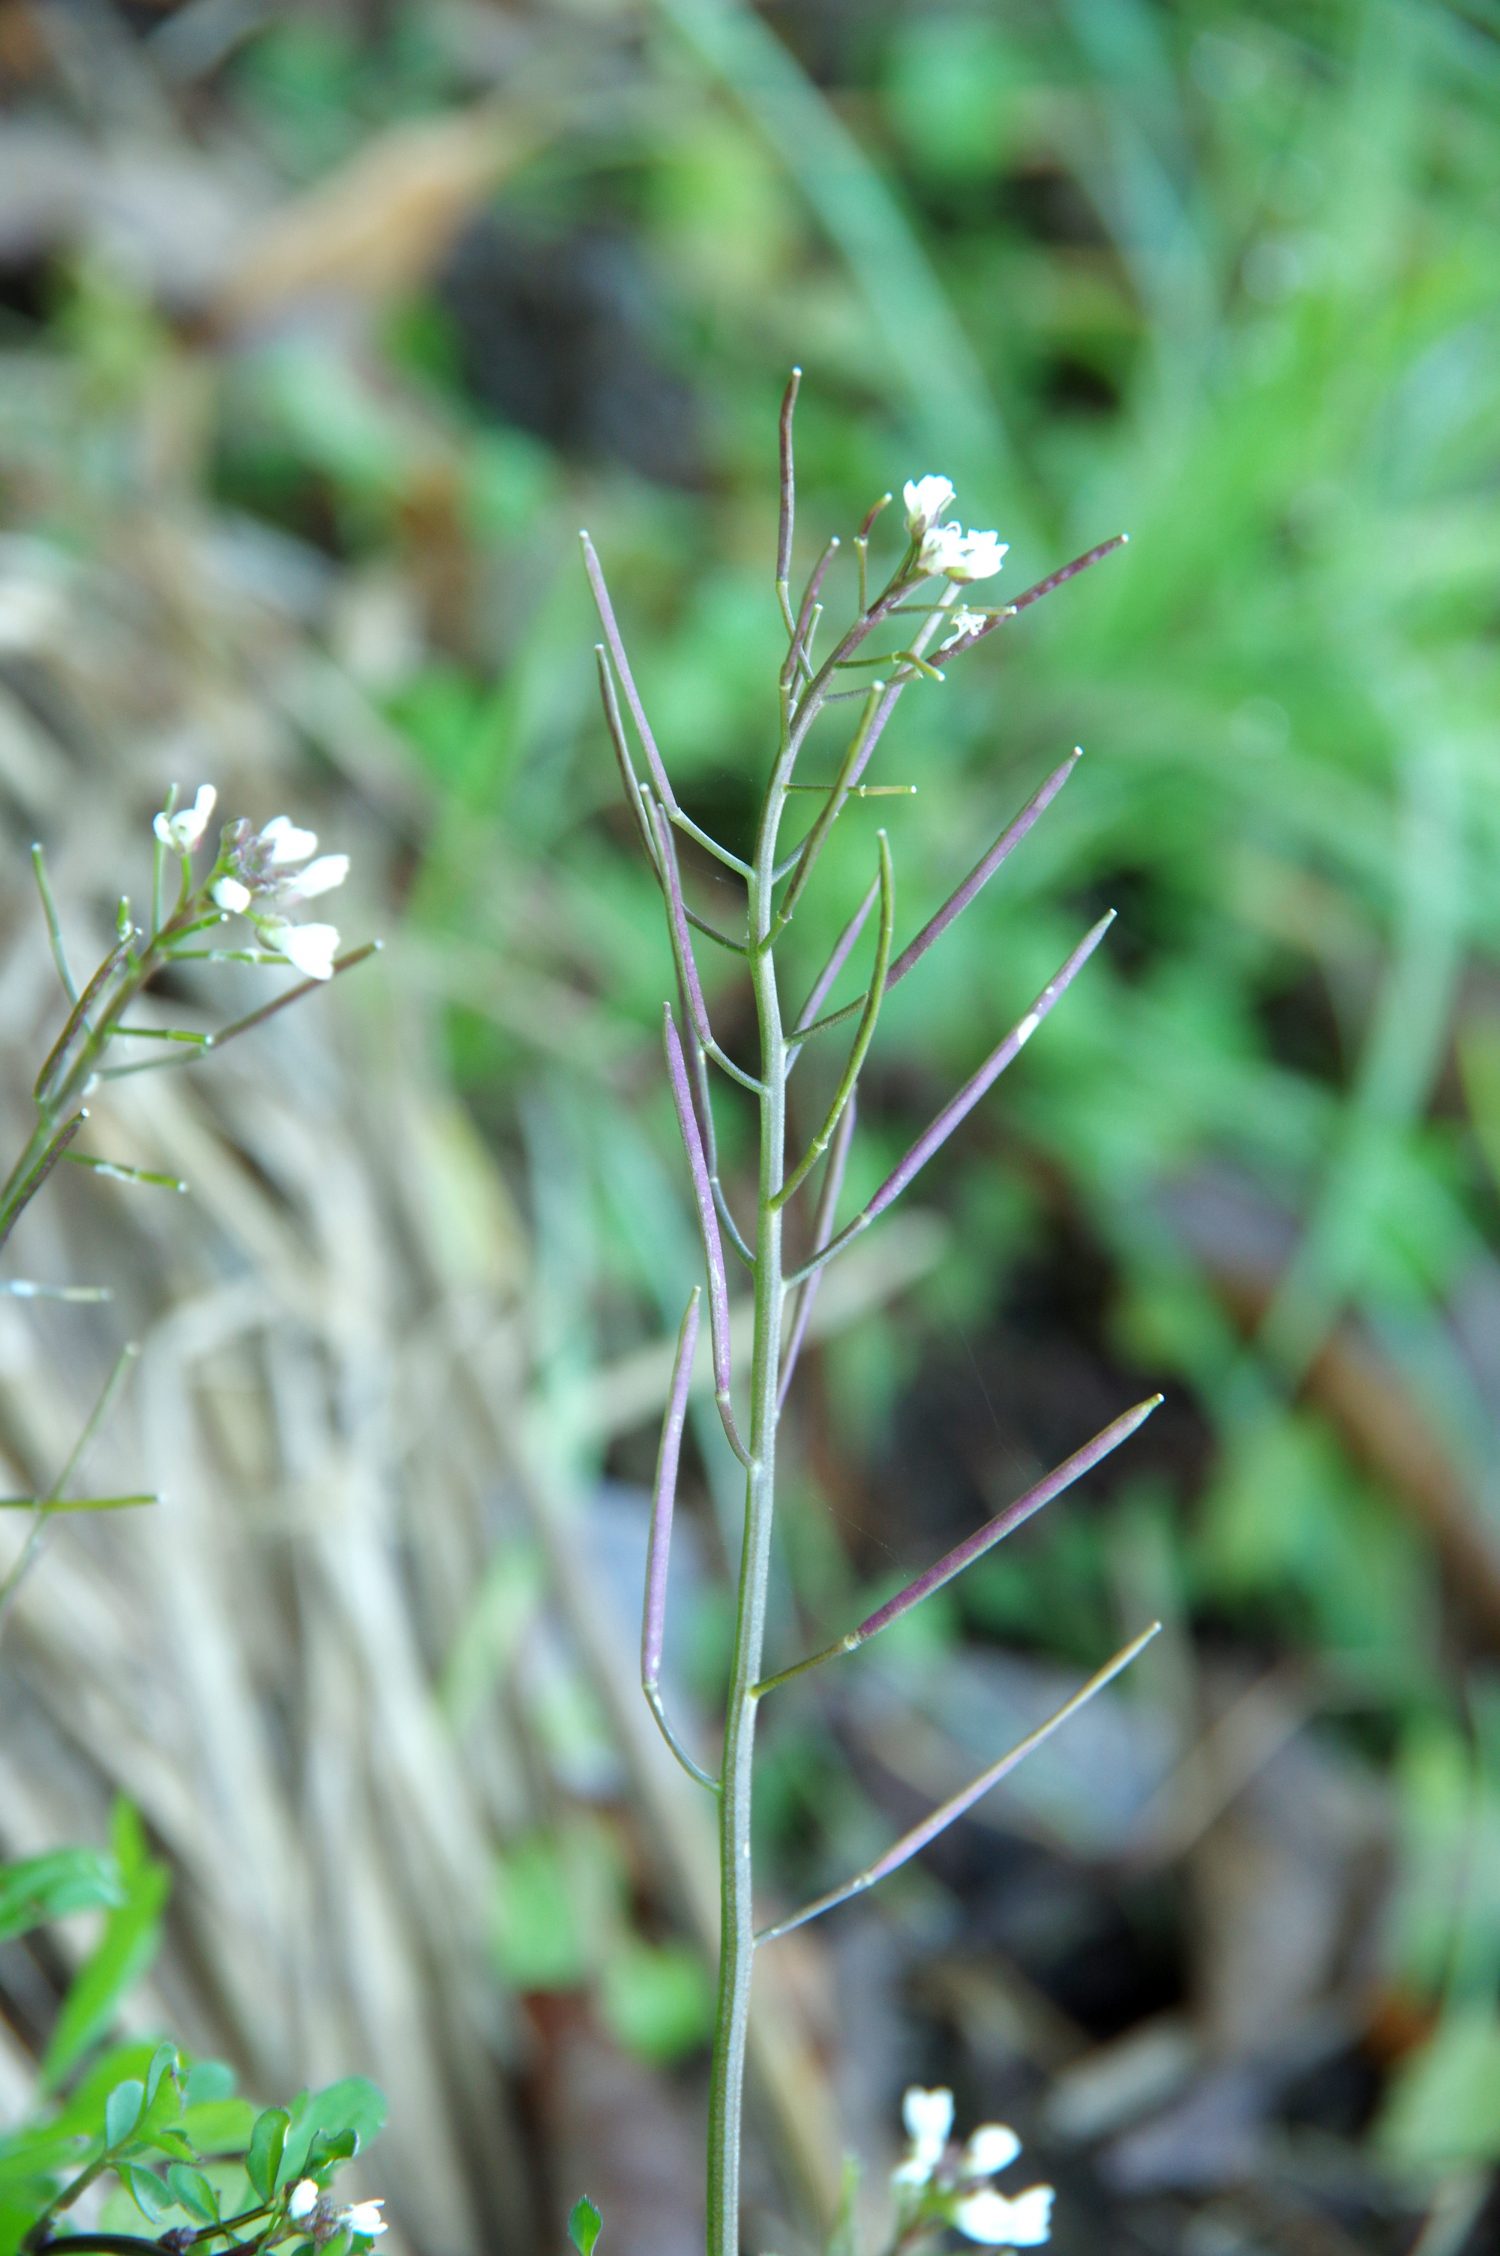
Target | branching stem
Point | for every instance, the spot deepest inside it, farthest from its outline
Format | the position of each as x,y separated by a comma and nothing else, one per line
804,693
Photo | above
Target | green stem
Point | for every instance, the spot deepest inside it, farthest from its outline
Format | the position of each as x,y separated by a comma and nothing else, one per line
75,1058
737,1919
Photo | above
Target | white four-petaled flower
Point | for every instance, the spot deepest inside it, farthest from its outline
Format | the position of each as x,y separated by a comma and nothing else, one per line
185,831
302,2200
255,877
937,2183
364,2217
961,555
926,499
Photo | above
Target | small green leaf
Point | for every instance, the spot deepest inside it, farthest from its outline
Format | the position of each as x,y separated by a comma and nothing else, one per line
326,2147
584,2226
163,2061
192,2192
267,2146
49,1887
122,2111
145,2189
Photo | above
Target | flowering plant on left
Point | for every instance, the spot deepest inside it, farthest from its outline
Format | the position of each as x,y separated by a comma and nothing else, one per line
126,2134
260,877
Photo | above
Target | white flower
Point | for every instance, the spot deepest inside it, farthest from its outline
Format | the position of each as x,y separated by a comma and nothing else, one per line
364,2217
230,894
959,555
928,2116
286,842
994,2146
302,2200
926,499
320,876
185,831
311,947
990,2218
963,622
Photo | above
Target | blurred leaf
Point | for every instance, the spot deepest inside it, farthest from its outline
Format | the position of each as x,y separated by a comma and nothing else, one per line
208,2081
164,2063
657,1998
267,2146
146,2191
124,1950
353,2105
1444,2105
584,2225
176,2142
38,2154
218,2126
192,2191
327,2146
52,1886
122,2111
537,1941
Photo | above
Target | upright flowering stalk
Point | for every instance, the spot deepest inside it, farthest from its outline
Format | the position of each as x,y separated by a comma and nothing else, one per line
784,1251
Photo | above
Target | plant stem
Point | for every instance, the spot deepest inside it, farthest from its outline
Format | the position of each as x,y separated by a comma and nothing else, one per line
737,1921
804,693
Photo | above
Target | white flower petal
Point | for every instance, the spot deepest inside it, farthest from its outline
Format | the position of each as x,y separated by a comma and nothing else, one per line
996,2222
928,2116
287,843
320,876
925,499
230,894
994,2146
302,2200
310,947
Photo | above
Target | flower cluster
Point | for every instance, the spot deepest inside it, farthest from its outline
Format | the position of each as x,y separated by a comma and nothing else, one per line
951,2185
260,874
948,550
307,2204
